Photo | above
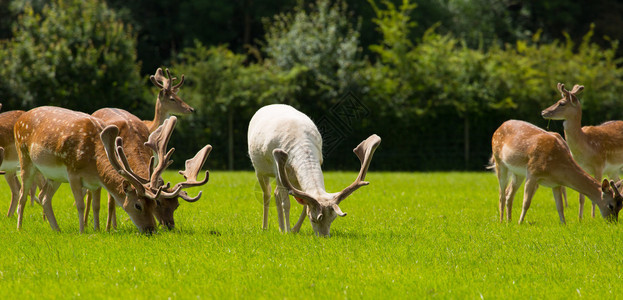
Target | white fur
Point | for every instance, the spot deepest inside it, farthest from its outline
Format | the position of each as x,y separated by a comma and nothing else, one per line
281,126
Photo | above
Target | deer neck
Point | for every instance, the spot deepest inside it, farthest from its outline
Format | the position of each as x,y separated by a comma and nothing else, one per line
305,163
584,183
576,139
159,116
109,178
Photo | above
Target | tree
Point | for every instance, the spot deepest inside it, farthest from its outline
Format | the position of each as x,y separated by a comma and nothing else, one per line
226,92
320,38
75,54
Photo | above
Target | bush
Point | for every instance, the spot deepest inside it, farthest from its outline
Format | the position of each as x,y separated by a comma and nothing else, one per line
74,54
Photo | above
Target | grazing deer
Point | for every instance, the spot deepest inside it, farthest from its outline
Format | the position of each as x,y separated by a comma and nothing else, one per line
133,130
70,146
10,164
285,143
168,102
522,150
597,149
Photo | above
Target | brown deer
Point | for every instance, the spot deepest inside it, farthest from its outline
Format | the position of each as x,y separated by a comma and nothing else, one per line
70,146
522,150
597,149
168,102
133,130
10,164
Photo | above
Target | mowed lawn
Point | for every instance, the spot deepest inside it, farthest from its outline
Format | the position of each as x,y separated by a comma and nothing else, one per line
406,235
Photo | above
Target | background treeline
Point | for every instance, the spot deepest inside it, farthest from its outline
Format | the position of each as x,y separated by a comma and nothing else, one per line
434,78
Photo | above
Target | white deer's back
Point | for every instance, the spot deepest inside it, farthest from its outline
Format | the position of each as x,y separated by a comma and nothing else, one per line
280,126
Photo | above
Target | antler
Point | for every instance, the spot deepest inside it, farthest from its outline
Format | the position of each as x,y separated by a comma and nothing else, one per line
193,166
158,77
170,80
364,152
158,141
577,89
114,151
166,81
281,157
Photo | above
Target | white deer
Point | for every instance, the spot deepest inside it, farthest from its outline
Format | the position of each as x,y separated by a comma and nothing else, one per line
522,150
597,149
285,143
70,146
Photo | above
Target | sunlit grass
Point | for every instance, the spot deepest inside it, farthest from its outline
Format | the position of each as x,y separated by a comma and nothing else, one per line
406,234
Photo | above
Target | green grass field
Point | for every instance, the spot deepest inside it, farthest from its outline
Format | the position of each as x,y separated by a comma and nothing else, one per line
406,235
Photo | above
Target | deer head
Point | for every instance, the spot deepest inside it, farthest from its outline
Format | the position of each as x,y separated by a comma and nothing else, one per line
324,208
167,205
154,187
168,99
566,108
613,201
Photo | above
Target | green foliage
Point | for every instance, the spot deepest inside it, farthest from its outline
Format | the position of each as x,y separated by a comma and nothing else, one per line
405,236
226,90
440,78
323,41
74,54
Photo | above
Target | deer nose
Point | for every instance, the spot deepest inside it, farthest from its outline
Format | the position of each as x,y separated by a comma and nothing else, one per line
192,110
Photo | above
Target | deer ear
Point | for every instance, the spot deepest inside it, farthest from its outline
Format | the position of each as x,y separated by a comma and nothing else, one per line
338,211
605,186
126,186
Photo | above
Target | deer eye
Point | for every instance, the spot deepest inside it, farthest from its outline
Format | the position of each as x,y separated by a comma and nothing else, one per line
320,217
610,207
138,207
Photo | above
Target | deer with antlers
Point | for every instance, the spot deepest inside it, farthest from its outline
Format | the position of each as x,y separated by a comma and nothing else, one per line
597,149
167,103
134,131
69,146
522,150
284,143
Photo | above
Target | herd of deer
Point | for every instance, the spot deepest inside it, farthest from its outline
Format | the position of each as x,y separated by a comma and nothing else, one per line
115,150
51,145
522,150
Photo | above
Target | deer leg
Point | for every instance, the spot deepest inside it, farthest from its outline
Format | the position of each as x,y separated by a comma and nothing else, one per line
79,192
96,196
581,210
279,189
559,203
298,224
14,185
111,220
564,196
46,194
286,209
33,195
599,176
502,174
510,197
265,186
27,174
89,199
529,190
